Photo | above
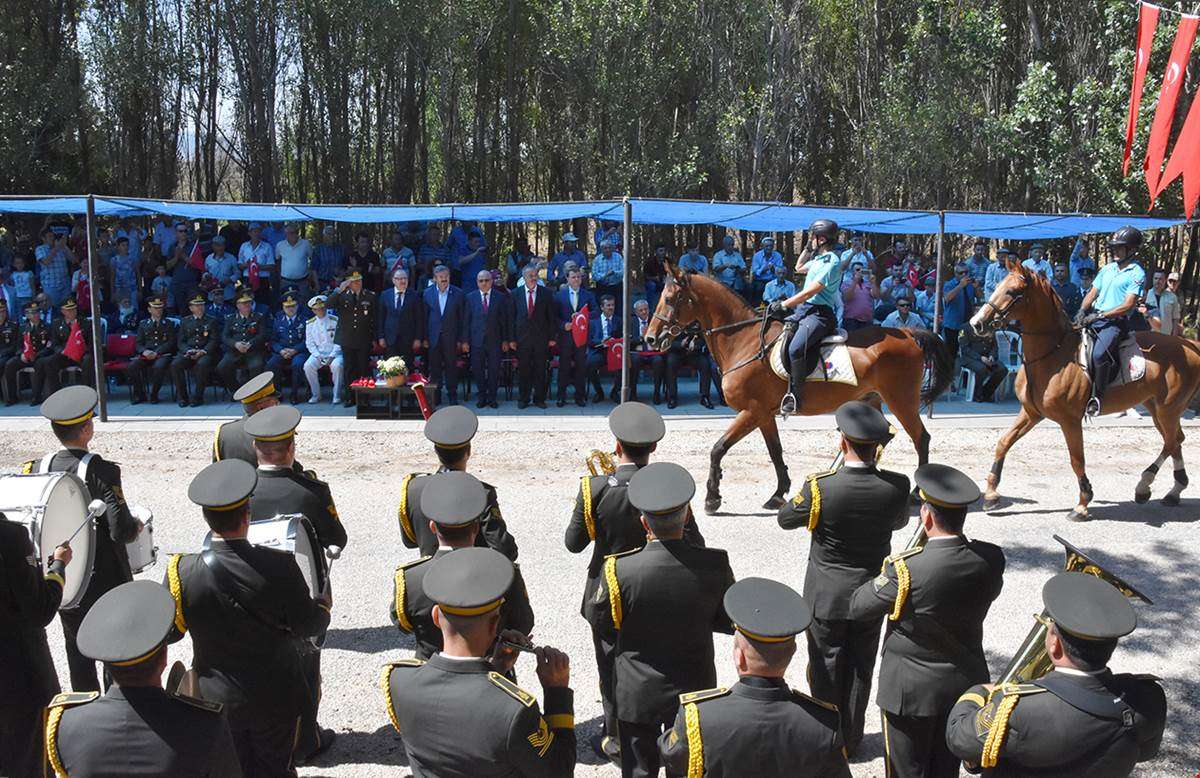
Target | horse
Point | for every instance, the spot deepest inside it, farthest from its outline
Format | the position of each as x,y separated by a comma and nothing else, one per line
889,365
1052,385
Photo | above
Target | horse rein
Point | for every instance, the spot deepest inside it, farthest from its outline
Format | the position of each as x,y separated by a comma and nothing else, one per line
674,330
999,316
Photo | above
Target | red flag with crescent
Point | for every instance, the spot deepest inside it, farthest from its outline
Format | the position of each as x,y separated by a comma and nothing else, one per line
1147,24
252,273
615,349
1168,97
579,326
75,344
1185,160
196,257
28,351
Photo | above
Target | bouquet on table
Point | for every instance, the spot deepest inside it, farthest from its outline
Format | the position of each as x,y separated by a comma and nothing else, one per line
392,371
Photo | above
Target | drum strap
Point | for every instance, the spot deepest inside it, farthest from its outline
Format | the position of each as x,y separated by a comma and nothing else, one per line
81,471
230,589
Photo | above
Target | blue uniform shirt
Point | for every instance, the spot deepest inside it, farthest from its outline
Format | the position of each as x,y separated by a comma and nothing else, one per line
825,268
956,312
1115,284
287,333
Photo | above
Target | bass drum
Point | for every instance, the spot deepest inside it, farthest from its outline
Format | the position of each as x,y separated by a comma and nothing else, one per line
52,506
293,534
142,552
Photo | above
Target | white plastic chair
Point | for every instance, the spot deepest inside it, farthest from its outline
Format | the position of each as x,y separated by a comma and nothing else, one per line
1010,356
966,384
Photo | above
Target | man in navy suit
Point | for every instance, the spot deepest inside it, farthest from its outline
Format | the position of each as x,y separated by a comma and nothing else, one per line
488,324
401,319
535,329
445,336
572,359
604,325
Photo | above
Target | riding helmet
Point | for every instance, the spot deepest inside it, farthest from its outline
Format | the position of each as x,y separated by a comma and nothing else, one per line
1130,237
824,227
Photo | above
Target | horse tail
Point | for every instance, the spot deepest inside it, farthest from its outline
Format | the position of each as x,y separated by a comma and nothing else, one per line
941,364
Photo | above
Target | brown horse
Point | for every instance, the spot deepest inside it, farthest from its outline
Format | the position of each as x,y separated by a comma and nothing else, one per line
1052,385
889,364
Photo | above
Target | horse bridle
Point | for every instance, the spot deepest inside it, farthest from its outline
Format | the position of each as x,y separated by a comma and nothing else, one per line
674,330
1000,315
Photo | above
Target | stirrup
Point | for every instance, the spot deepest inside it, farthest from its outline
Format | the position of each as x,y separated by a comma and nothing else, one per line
1092,409
788,405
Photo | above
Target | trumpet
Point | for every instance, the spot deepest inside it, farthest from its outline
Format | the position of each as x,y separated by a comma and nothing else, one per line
601,462
1031,661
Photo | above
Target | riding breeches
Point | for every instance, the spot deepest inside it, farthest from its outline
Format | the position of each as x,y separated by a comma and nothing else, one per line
813,323
1106,364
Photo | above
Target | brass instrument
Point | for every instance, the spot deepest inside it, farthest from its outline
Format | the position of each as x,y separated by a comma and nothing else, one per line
601,462
1031,661
840,458
417,382
919,537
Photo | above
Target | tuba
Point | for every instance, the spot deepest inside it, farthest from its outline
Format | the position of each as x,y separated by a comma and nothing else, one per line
600,462
1031,662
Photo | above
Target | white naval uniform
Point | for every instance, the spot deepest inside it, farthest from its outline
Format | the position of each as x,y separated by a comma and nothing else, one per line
323,352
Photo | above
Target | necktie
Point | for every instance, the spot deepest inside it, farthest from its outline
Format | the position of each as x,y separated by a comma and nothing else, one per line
604,328
485,302
399,299
529,306
573,301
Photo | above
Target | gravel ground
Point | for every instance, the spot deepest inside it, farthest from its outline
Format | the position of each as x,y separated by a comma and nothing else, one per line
536,473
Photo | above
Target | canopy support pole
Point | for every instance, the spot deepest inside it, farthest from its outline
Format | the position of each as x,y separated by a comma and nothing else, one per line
937,285
626,284
94,298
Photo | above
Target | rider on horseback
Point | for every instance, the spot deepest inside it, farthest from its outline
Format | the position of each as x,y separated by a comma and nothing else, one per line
1114,296
812,309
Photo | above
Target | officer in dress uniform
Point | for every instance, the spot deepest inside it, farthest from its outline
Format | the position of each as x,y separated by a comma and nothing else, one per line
356,310
936,597
450,430
455,503
199,336
850,513
70,413
605,518
288,351
38,334
156,339
758,726
48,368
663,601
457,713
136,728
244,337
1081,718
28,601
320,334
249,611
231,440
10,343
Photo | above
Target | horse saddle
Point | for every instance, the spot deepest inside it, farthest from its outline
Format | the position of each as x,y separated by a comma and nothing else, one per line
835,364
1129,355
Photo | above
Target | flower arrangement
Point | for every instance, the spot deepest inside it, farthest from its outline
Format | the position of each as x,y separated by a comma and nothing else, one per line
392,370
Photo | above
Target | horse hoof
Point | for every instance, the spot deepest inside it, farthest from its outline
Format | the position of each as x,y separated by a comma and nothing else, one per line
990,503
774,504
1142,497
712,506
1171,501
1078,515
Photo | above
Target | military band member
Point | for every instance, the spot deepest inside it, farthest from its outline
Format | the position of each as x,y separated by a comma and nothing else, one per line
1081,718
936,597
457,713
199,336
663,601
244,337
288,352
70,412
248,609
604,518
450,430
28,601
136,728
850,513
48,368
758,726
37,333
455,504
156,340
231,440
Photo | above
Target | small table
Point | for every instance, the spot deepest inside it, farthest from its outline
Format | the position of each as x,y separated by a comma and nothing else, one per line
389,402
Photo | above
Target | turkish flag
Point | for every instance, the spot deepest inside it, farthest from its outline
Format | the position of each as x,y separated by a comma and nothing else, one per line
1160,130
579,327
1185,160
28,351
76,346
252,273
616,347
1147,23
196,258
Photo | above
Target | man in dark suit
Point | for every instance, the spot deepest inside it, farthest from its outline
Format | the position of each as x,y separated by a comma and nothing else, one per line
488,326
605,325
445,337
401,326
936,597
639,359
570,299
664,602
356,328
535,332
249,612
850,514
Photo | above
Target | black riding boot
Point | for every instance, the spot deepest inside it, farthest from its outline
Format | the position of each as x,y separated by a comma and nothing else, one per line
791,401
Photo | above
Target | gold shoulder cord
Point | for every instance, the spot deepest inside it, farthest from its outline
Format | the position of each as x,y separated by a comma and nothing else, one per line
585,488
385,683
691,716
176,592
814,504
903,585
402,512
52,742
995,738
217,444
614,590
401,616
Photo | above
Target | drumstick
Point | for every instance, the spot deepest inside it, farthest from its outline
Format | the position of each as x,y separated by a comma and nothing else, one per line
518,646
95,508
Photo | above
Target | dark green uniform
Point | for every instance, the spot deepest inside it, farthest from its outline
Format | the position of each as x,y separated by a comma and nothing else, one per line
253,329
286,490
758,727
196,335
933,648
10,350
157,336
48,367
461,719
355,330
850,513
414,525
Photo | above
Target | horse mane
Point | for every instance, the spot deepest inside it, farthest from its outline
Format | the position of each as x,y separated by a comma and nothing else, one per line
1043,284
717,291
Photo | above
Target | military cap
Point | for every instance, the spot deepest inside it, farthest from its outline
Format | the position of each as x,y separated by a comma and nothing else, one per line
452,426
197,299
258,387
945,487
1087,607
317,301
70,405
276,423
32,306
661,487
354,275
289,298
469,581
155,302
218,238
223,485
453,499
244,296
862,423
636,423
68,304
766,610
128,624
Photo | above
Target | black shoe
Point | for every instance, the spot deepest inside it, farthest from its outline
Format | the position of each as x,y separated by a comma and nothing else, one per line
672,404
348,404
481,403
183,402
707,403
522,404
197,402
581,402
540,403
614,396
454,399
493,404
294,398
34,402
154,399
135,400
9,403
327,736
561,403
598,397
607,748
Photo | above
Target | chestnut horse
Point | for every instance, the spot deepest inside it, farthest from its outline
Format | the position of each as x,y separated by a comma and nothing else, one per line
889,363
1052,385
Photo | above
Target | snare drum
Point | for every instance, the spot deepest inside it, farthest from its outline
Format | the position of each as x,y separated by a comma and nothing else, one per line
52,506
294,534
142,552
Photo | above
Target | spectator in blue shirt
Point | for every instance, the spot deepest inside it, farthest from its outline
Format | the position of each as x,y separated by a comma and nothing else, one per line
397,255
778,288
329,258
470,262
692,260
608,232
222,266
857,254
52,260
273,233
124,273
1067,292
556,272
1037,261
135,235
926,302
460,240
1080,259
995,273
729,266
958,303
762,266
978,264
608,271
431,254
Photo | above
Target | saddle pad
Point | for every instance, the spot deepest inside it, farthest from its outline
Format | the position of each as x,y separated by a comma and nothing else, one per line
1129,353
836,356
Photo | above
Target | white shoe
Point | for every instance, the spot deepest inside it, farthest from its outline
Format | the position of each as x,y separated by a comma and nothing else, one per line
314,399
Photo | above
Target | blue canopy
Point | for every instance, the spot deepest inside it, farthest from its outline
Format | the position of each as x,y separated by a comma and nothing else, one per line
753,217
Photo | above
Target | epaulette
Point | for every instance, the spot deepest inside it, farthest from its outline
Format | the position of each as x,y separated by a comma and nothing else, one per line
801,697
702,695
512,690
814,503
903,580
1020,689
413,662
385,685
1145,677
997,727
402,512
67,699
905,554
196,702
310,320
623,553
27,467
413,563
